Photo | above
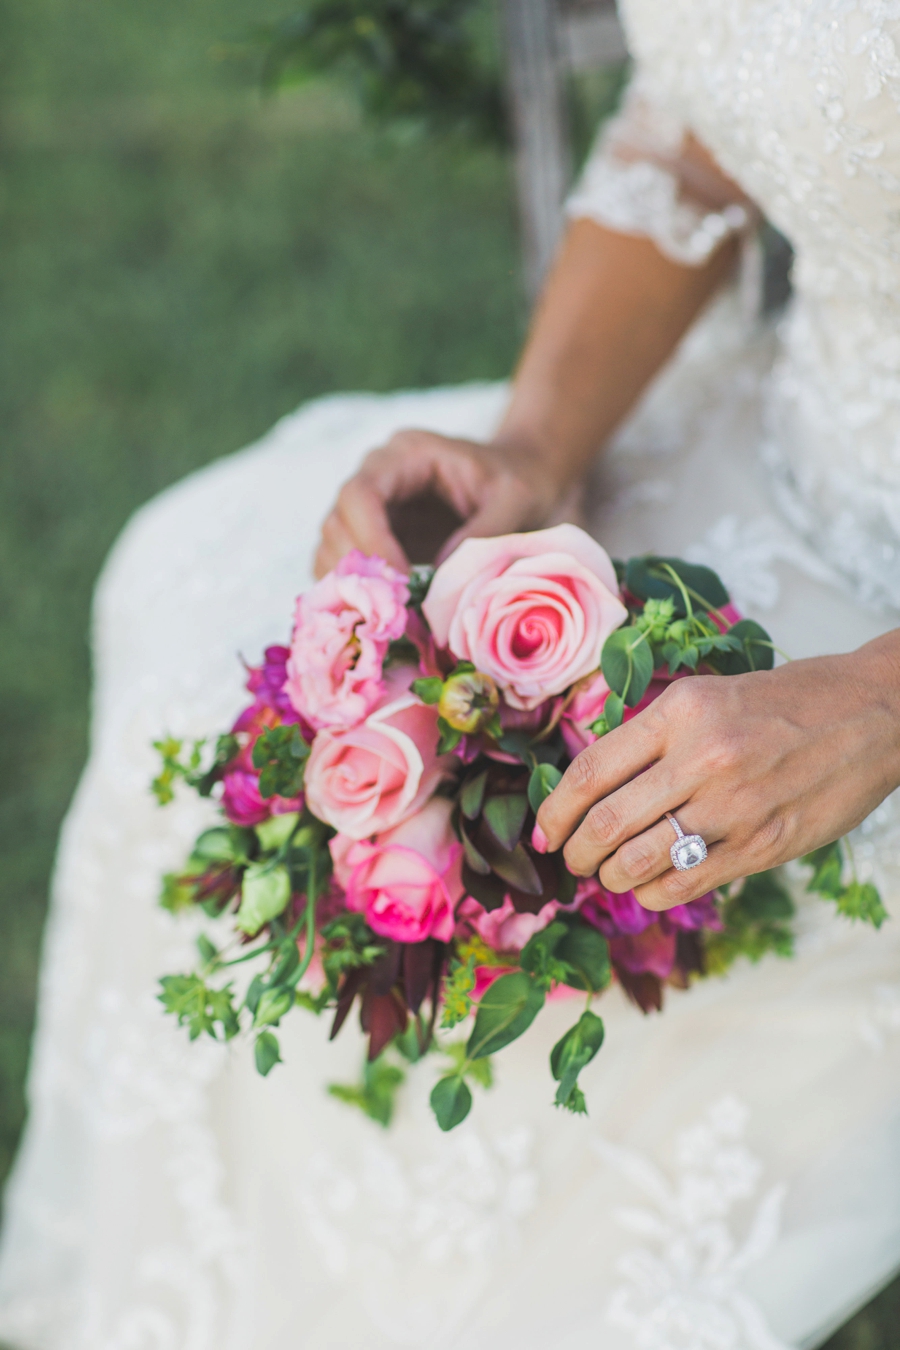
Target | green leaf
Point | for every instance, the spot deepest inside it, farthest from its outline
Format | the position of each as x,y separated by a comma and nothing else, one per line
613,711
504,816
507,1009
544,778
828,869
472,795
208,950
376,1095
217,845
584,950
177,893
627,664
755,650
265,892
277,830
451,1101
648,578
428,689
420,578
449,738
572,1053
199,1008
280,753
861,900
763,898
273,1005
266,1052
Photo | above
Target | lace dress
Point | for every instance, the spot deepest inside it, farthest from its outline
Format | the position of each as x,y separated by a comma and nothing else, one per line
737,1183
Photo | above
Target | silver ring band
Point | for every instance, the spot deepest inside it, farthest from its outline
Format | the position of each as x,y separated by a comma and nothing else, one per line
689,850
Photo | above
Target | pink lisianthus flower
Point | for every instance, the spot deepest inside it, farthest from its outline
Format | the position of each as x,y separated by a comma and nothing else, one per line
531,610
408,880
505,929
370,777
623,915
243,804
342,629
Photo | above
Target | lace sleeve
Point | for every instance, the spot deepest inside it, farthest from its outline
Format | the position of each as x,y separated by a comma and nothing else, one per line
648,176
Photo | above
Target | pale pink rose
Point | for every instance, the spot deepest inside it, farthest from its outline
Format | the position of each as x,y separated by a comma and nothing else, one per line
342,629
370,777
531,610
504,929
408,880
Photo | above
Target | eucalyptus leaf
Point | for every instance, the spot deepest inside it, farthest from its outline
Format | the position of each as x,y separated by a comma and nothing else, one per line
573,1053
277,830
472,795
272,1006
544,778
264,895
506,1010
451,1101
585,951
755,650
504,816
266,1052
647,578
613,711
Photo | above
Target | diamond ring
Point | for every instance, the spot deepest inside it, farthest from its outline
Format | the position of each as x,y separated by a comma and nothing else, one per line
689,850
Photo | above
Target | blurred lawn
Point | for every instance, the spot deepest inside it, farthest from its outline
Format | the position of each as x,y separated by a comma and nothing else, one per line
183,262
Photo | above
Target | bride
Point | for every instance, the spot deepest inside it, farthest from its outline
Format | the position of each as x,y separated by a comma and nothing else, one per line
737,1184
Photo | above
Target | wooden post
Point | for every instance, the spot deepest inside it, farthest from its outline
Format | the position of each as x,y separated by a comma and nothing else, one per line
543,162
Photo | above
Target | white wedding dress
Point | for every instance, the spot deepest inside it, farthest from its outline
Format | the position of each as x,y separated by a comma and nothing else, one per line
737,1183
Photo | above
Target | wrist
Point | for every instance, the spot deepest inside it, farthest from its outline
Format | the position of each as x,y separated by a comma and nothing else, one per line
523,454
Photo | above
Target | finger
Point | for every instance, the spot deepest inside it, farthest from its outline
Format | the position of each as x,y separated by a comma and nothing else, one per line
724,864
497,515
413,461
647,856
361,511
335,542
597,772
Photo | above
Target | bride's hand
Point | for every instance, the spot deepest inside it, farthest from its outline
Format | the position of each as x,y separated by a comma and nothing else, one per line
494,488
766,767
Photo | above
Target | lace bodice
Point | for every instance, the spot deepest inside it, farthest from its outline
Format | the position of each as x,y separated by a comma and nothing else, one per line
800,104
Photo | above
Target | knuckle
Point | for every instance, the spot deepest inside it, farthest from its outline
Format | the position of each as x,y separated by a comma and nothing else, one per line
583,773
638,859
726,751
604,825
771,836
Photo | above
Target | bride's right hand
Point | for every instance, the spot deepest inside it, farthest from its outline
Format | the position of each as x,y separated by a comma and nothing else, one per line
495,488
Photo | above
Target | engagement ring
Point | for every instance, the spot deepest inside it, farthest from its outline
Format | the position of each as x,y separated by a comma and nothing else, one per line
689,850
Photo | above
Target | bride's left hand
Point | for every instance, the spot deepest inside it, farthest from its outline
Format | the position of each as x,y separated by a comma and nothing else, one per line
766,767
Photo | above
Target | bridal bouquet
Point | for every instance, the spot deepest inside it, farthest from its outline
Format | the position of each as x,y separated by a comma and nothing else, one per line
379,794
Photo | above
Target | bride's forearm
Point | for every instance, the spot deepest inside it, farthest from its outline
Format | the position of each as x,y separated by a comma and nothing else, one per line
612,311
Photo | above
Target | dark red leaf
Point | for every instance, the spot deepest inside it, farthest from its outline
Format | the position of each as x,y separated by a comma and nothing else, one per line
353,982
383,1016
386,969
418,971
645,990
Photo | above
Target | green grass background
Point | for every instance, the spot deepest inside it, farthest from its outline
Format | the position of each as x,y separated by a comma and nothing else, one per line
183,261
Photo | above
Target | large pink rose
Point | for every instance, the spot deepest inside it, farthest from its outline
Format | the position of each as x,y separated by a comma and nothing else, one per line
342,629
408,880
372,776
531,610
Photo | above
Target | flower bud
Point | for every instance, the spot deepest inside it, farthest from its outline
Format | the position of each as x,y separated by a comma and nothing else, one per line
469,701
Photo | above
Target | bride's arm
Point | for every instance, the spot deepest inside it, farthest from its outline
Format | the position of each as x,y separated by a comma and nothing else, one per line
613,309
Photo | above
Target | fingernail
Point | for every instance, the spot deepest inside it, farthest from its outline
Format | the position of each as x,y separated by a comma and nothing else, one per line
539,841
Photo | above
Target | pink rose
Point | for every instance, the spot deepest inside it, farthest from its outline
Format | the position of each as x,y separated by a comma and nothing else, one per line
243,804
342,629
531,610
504,929
370,777
408,880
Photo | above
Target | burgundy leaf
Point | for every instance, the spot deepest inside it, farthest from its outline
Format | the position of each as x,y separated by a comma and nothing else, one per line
645,990
353,982
386,969
383,1016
